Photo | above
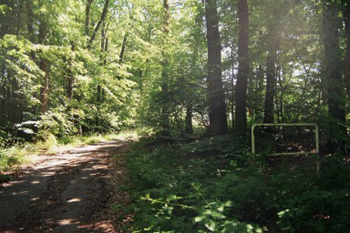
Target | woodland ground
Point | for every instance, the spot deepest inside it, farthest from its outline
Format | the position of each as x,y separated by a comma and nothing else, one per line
207,185
67,192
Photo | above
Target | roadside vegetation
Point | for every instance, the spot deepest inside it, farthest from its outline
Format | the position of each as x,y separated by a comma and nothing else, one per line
195,76
14,157
214,185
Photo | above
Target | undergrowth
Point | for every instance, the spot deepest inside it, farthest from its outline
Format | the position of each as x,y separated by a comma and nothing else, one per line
213,185
15,156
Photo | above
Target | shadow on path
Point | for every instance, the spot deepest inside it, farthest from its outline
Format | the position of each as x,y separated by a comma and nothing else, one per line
63,194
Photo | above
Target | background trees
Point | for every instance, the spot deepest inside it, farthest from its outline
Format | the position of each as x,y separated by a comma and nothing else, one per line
189,70
217,107
243,70
175,66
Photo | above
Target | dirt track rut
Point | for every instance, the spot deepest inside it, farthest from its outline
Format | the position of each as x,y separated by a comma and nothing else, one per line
66,193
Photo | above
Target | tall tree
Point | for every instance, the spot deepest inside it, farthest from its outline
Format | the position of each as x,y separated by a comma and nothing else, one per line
70,86
30,20
87,17
122,51
333,67
346,13
243,69
165,124
270,73
99,23
217,106
44,66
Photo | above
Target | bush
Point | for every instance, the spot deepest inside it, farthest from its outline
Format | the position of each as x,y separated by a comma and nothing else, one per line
48,144
6,139
58,123
8,161
193,188
211,186
317,211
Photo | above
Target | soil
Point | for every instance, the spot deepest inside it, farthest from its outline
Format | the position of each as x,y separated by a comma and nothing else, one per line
69,192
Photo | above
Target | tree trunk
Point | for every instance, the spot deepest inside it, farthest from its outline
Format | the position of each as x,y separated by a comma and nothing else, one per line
243,69
87,17
232,82
44,66
104,43
15,99
165,124
259,93
30,21
279,96
217,106
102,19
122,51
333,62
333,71
270,75
347,59
19,17
70,90
104,49
189,126
4,101
45,86
99,92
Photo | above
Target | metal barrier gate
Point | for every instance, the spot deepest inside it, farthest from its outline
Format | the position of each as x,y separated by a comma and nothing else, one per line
290,153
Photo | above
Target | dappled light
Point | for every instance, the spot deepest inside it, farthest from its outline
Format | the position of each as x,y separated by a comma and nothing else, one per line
65,189
74,200
175,116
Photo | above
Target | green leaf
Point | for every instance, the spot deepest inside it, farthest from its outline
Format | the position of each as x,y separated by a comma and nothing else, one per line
210,224
200,218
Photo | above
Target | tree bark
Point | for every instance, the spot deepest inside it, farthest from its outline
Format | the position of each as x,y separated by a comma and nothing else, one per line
102,19
44,66
243,69
270,75
333,73
70,88
87,17
104,49
165,124
45,86
217,106
16,101
346,14
122,51
19,17
4,101
189,126
333,62
30,21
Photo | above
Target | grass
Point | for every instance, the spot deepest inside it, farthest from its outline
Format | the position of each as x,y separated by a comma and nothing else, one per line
12,158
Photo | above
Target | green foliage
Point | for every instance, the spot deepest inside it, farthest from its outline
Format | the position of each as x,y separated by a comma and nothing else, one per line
23,153
210,185
323,209
6,162
186,189
94,140
6,138
317,211
58,123
204,185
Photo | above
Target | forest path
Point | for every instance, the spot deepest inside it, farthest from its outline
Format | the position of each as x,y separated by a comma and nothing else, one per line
67,192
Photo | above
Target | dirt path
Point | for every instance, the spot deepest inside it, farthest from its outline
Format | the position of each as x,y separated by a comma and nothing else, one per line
69,192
